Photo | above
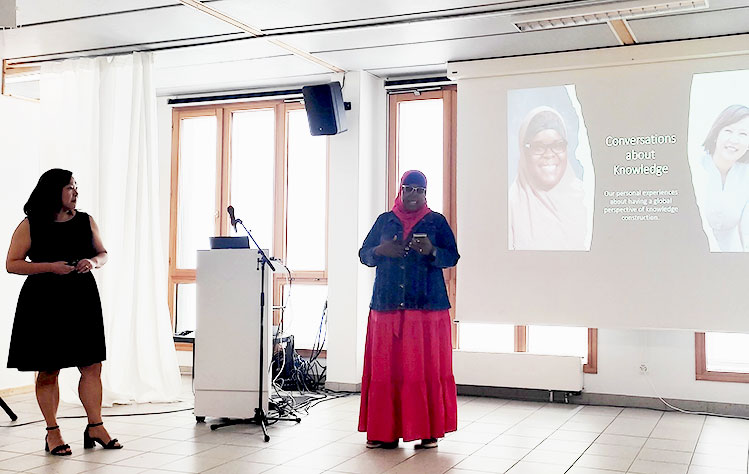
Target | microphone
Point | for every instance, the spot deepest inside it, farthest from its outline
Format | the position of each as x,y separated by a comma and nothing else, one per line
230,210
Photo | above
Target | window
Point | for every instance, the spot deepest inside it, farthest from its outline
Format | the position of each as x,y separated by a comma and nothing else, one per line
184,312
251,192
304,315
307,196
721,357
479,337
422,131
555,340
260,158
551,340
420,144
195,214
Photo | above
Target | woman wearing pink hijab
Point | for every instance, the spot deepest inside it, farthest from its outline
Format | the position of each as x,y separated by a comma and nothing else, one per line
408,389
546,209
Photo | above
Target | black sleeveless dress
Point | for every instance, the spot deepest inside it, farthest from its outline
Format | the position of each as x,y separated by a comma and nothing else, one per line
58,319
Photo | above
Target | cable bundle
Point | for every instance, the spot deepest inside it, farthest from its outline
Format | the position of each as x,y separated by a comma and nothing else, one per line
305,376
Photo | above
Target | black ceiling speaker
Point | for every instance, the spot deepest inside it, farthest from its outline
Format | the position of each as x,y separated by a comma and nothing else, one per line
325,109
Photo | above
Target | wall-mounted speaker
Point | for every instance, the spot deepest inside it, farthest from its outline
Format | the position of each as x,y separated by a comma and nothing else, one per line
325,108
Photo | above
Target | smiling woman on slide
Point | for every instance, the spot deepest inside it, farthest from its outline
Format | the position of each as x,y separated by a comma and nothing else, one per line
546,209
725,166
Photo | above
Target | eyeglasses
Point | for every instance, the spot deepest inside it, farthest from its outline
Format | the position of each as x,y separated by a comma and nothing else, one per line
538,149
407,188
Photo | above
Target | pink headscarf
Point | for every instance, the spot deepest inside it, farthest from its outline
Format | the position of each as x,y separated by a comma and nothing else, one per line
410,218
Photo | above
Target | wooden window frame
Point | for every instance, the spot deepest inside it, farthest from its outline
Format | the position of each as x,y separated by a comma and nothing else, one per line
590,367
9,70
700,365
521,338
224,115
176,275
448,94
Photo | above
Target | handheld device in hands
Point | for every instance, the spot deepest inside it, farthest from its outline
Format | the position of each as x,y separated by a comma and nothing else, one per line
418,243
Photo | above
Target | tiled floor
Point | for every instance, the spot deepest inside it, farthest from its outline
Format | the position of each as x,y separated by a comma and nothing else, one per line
494,436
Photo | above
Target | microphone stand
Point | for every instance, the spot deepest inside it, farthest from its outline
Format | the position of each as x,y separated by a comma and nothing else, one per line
260,418
7,410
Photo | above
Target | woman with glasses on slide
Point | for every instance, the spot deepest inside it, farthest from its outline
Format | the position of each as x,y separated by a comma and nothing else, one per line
546,209
408,389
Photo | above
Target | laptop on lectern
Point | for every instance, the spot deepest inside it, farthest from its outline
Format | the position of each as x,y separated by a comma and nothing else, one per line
229,242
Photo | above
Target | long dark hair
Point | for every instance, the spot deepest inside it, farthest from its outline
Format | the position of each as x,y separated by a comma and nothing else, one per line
46,198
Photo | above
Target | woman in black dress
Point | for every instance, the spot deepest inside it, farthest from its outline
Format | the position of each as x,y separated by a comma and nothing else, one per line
58,320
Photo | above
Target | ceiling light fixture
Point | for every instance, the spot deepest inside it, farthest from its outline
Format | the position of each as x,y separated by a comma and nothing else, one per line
257,32
598,12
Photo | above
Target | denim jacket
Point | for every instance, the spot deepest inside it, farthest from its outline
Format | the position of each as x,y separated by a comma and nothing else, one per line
415,281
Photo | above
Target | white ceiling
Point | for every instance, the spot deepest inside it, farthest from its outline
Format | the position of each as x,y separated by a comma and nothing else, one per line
389,38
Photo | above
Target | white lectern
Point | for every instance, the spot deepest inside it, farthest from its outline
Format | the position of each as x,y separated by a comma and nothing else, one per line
227,334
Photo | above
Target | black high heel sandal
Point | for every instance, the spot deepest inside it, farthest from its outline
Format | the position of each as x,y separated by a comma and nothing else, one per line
88,440
57,450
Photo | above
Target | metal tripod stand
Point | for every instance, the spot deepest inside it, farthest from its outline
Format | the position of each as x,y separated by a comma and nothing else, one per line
7,410
260,418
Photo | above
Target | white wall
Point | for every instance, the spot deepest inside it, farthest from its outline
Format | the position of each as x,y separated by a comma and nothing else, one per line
357,189
669,356
19,167
372,188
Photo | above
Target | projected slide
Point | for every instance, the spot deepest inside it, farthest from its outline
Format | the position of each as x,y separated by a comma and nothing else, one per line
549,206
621,184
719,157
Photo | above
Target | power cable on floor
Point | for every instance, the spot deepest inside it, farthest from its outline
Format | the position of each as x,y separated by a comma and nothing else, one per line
688,412
73,417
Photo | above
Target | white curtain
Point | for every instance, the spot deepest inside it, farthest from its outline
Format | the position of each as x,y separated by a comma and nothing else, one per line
99,121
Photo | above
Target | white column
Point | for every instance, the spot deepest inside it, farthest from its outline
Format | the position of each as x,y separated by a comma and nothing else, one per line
357,194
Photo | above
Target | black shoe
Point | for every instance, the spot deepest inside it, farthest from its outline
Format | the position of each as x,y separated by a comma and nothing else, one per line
382,444
57,450
427,443
88,441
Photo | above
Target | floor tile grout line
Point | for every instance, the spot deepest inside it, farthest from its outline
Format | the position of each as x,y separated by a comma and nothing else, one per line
694,450
646,441
592,442
537,445
509,428
506,429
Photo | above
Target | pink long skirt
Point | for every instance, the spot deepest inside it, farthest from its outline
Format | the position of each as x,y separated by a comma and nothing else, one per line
408,389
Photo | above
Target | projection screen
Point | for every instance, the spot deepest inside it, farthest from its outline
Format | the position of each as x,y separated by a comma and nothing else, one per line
607,188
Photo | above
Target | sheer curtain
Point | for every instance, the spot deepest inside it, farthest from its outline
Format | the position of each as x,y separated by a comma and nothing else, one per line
99,121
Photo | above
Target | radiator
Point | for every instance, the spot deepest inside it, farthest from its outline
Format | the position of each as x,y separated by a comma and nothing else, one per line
518,370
